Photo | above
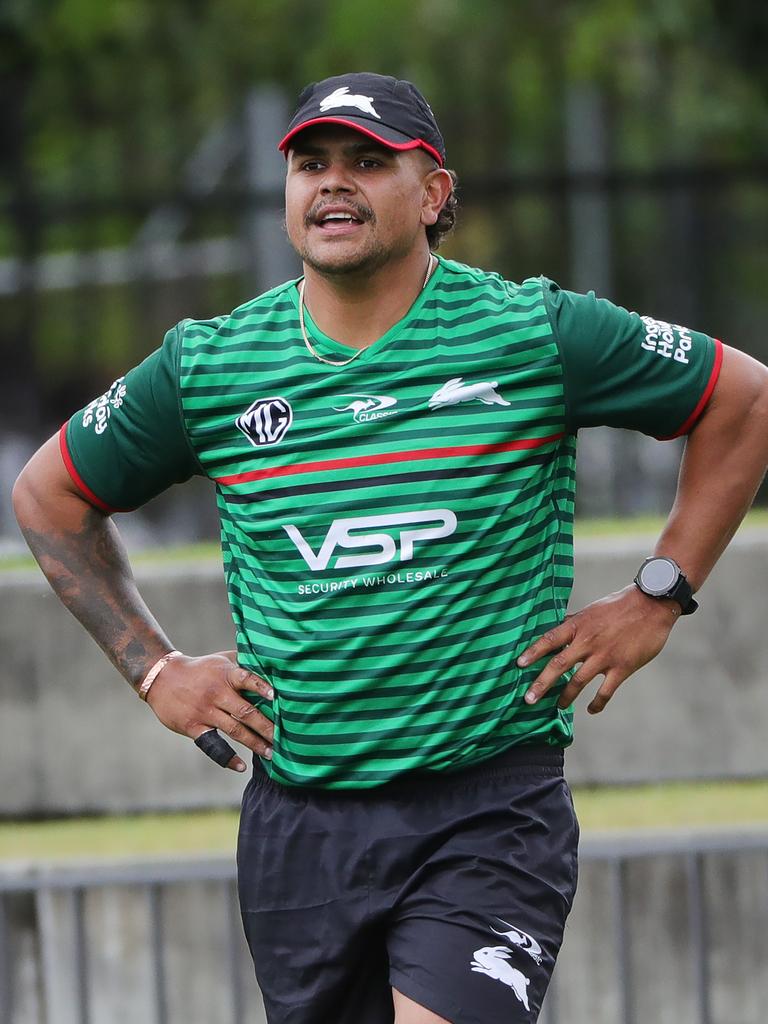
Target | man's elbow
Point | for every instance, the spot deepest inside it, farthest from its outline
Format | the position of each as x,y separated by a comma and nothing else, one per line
759,396
739,405
753,404
43,489
25,496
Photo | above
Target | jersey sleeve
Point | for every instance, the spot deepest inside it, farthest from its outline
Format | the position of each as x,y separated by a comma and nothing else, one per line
130,444
626,370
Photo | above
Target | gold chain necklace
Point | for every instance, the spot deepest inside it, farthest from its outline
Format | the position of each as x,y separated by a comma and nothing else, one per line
431,265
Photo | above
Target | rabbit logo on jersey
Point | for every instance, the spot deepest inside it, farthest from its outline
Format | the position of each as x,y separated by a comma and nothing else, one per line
456,392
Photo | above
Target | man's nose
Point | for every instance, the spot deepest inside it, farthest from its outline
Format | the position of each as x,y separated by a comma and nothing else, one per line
336,179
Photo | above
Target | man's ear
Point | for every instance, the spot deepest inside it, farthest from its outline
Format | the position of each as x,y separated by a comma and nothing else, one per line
438,186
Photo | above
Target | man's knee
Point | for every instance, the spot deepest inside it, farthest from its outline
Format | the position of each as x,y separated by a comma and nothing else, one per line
409,1012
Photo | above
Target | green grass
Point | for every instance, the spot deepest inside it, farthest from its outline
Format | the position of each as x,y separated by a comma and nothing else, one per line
677,805
757,518
140,835
673,805
704,805
152,556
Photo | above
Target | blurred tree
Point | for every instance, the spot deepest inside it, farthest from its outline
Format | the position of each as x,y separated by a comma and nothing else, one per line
497,70
101,105
743,25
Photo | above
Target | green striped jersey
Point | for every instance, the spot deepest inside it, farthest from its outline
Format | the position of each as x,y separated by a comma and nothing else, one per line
397,530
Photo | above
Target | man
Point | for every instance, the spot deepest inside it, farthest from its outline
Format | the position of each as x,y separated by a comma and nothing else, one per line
392,438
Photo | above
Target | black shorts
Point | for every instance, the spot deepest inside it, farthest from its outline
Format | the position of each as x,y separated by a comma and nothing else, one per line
453,889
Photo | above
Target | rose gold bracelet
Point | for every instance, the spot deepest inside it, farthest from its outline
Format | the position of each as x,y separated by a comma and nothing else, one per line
155,671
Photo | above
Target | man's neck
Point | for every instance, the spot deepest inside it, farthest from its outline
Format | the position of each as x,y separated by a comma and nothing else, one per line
356,310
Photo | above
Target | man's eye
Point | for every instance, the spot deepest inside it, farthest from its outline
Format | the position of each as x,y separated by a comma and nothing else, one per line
311,165
369,161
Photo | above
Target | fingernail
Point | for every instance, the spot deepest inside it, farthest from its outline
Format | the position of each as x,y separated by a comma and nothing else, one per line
240,766
271,693
268,753
530,697
522,661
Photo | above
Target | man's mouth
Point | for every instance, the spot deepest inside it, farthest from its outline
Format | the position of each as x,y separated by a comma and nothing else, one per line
342,218
337,220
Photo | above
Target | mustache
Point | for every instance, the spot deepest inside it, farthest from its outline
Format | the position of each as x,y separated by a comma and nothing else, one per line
358,210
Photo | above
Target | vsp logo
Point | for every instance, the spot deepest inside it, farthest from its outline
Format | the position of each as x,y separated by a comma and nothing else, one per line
432,524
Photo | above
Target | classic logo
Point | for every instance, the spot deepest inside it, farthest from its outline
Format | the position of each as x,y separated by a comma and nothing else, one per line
367,407
520,938
432,524
266,421
455,391
492,960
343,98
100,409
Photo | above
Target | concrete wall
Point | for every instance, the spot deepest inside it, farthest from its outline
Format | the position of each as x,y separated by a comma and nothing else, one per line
73,738
207,975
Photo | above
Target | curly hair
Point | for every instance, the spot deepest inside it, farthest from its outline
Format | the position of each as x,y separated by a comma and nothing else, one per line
446,221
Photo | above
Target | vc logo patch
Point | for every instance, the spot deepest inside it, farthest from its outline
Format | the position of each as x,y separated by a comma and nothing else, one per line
266,421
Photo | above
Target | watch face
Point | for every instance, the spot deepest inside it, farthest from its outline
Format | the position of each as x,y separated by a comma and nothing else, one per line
658,576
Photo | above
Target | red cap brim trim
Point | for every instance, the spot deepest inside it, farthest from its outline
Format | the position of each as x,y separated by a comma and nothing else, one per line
412,144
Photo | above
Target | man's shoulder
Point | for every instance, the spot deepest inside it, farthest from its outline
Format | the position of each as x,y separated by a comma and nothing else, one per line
270,304
461,275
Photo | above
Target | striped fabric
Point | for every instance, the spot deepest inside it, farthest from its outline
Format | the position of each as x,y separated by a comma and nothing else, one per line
395,531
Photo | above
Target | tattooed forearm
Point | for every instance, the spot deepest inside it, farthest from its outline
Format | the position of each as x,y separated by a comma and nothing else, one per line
87,566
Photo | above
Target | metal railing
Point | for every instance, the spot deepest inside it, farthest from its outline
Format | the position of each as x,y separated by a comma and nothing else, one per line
150,881
618,854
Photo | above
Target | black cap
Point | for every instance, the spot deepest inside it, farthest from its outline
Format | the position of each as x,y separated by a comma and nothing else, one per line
391,111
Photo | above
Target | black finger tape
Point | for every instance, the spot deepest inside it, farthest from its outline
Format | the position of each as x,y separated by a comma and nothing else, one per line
215,747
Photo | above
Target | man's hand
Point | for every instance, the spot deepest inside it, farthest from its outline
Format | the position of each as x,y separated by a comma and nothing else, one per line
612,637
193,695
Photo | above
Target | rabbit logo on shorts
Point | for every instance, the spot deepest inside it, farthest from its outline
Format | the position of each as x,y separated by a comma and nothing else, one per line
493,961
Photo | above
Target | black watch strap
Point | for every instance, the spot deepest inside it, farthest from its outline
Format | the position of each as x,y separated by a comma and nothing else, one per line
682,592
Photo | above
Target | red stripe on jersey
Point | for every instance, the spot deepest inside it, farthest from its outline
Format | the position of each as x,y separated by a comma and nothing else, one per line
78,481
702,403
388,457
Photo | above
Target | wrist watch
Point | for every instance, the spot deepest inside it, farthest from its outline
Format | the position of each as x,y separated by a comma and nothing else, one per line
660,576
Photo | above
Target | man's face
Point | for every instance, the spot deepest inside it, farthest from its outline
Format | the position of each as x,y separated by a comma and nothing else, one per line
352,204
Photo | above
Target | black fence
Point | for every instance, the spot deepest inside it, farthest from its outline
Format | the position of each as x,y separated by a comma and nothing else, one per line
122,236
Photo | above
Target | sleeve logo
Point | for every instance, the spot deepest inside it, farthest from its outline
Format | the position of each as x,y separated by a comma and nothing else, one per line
672,341
97,414
266,421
